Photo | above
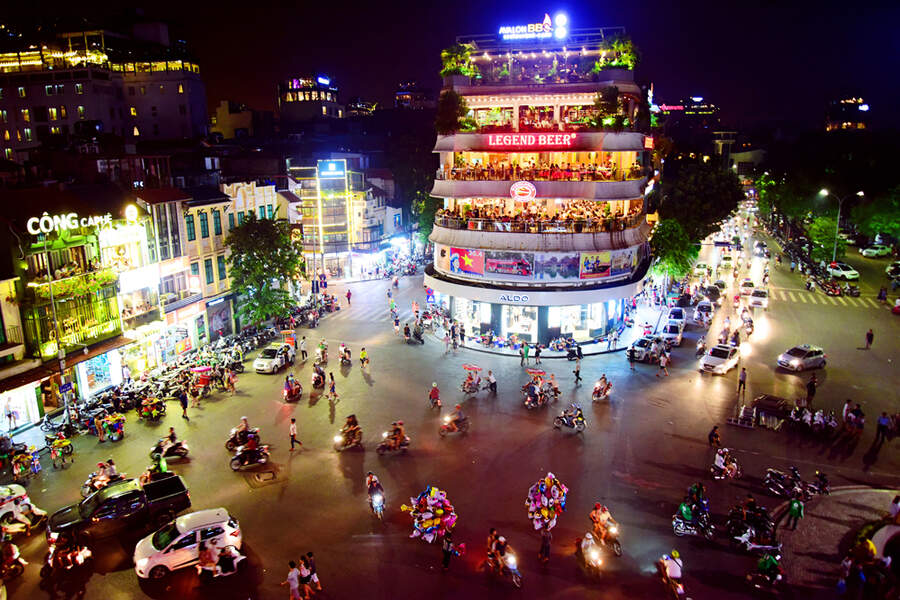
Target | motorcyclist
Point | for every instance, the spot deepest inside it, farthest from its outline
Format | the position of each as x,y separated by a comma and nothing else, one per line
498,551
351,429
456,417
469,383
684,509
491,539
345,354
318,376
725,462
671,566
769,568
8,550
252,441
373,485
398,434
573,413
434,394
601,518
242,429
21,516
587,544
696,493
406,331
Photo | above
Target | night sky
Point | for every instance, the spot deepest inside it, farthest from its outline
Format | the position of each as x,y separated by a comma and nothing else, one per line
770,61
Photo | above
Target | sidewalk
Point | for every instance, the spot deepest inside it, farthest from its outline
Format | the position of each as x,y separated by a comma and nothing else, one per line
813,553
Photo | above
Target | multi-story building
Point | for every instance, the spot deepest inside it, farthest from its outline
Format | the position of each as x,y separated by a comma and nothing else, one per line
411,95
543,233
847,113
304,99
64,84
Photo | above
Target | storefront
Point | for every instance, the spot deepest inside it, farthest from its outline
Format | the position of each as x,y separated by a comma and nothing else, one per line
98,373
21,406
185,329
176,340
144,353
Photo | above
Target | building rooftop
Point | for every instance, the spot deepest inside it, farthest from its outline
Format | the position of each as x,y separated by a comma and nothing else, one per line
160,195
205,194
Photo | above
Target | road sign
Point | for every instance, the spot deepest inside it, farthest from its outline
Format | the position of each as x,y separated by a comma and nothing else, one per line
315,286
66,387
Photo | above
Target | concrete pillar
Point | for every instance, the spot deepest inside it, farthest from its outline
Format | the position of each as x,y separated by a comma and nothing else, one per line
497,318
543,336
515,117
556,117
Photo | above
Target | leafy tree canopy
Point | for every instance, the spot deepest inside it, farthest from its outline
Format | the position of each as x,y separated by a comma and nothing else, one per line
699,196
263,261
879,215
822,232
457,60
425,208
673,248
451,110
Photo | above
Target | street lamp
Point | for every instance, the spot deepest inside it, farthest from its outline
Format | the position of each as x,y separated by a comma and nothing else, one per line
837,225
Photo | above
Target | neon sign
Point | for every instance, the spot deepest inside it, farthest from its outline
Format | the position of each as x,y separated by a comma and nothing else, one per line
522,190
555,140
47,224
556,27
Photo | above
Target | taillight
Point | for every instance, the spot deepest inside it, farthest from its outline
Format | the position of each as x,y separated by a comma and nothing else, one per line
236,532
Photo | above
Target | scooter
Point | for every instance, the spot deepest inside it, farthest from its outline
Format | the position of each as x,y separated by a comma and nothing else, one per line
601,392
341,443
92,485
238,438
701,348
292,393
446,427
592,559
612,539
245,457
15,567
699,526
376,503
572,421
387,446
508,567
169,450
318,380
11,522
58,562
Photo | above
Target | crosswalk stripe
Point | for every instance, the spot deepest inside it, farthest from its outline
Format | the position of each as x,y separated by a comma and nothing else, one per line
835,301
791,294
872,302
851,301
802,298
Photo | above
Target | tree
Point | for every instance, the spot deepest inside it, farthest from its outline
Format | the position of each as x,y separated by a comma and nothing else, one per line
264,260
457,60
881,215
451,110
673,248
699,196
822,234
425,208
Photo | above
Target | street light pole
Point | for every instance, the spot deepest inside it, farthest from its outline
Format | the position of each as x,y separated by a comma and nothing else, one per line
837,225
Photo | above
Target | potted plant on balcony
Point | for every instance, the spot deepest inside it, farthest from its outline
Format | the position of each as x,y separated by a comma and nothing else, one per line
457,66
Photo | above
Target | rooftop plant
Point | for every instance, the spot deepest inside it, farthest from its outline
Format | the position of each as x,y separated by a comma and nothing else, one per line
457,60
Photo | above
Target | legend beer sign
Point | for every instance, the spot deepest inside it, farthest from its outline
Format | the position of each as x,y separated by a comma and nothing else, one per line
534,140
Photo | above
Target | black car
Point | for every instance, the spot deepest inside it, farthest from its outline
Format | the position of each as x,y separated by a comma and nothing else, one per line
713,292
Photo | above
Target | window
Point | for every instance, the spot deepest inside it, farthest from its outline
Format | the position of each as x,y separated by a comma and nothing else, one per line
80,112
62,112
180,88
4,116
1,93
21,92
204,225
54,130
207,266
152,111
221,263
269,210
135,131
262,212
131,90
217,222
8,153
182,110
185,542
210,532
6,135
189,223
240,218
143,90
50,90
52,112
133,111
26,115
230,221
195,268
324,110
27,132
79,88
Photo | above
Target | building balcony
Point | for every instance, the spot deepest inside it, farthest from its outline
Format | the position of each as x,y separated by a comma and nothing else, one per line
552,141
69,287
537,82
575,173
601,225
588,190
172,302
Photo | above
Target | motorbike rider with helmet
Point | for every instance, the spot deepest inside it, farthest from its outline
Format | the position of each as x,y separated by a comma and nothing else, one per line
601,519
435,395
456,417
769,568
398,434
670,566
351,430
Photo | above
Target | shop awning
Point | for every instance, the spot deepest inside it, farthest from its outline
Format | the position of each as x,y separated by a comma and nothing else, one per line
52,367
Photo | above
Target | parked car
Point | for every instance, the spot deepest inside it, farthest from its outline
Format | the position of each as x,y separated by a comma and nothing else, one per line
875,250
802,357
671,333
176,545
720,359
273,357
840,270
759,298
121,506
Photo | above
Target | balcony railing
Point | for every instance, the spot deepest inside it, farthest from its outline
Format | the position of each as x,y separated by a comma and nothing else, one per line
172,302
530,226
506,173
74,286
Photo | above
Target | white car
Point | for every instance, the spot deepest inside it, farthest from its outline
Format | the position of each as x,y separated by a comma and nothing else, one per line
893,269
176,545
8,495
720,359
672,332
726,262
747,287
646,349
843,271
676,313
759,299
273,357
700,269
875,250
704,311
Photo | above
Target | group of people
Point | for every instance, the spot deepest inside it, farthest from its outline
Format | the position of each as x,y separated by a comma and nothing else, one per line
302,579
606,171
586,213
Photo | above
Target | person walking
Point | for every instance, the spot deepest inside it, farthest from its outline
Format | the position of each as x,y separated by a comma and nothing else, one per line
305,577
313,575
870,337
230,380
182,398
446,341
492,382
546,537
811,390
577,370
332,392
663,362
882,428
714,440
293,433
848,406
303,352
293,581
630,354
537,354
348,297
795,513
742,381
526,348
195,396
522,356
447,550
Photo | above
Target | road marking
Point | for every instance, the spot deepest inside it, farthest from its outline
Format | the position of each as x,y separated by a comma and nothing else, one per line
851,301
873,302
802,298
841,300
831,299
791,294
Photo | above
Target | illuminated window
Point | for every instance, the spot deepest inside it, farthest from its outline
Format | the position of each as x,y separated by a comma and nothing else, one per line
62,112
324,110
207,266
27,132
4,116
49,89
18,135
315,95
340,113
21,92
8,153
221,264
189,225
52,112
79,88
204,225
6,135
80,112
133,111
217,222
135,131
26,115
180,88
54,130
143,90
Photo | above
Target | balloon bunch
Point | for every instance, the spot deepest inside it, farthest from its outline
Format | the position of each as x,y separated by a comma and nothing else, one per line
432,514
546,500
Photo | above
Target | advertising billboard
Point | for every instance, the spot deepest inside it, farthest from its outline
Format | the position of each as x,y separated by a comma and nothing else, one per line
554,266
594,265
470,262
623,262
509,265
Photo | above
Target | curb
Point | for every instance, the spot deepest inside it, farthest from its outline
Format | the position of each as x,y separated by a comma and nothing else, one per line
543,357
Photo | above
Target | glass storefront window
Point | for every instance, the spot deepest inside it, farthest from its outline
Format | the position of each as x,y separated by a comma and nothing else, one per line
99,373
521,321
20,406
472,315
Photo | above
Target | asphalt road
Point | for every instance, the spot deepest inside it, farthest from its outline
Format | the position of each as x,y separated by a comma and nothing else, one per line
640,452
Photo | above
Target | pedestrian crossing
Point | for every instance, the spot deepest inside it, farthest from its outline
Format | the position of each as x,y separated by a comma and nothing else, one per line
364,312
816,298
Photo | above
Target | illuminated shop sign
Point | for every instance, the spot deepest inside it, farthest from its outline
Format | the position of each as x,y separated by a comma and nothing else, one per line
547,140
331,169
513,298
648,143
671,107
522,190
323,80
556,27
47,224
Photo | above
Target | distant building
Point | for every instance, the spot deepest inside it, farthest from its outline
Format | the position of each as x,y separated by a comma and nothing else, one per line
410,95
234,120
305,99
847,113
57,86
694,112
357,107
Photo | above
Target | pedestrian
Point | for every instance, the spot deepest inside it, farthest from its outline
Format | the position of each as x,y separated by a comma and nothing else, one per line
98,424
546,537
332,393
522,355
811,389
492,382
293,432
230,380
446,341
396,324
870,337
313,574
858,418
447,549
742,381
846,411
663,362
615,339
348,297
630,354
462,335
303,353
577,370
293,581
714,440
527,350
795,513
195,396
182,398
883,427
537,354
305,577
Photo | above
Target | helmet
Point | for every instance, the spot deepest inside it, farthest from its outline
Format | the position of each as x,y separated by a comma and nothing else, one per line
369,473
434,384
598,505
588,536
458,406
243,418
674,554
501,539
399,422
100,465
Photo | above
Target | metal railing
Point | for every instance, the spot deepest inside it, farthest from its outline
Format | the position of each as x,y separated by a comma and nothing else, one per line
601,225
562,175
14,334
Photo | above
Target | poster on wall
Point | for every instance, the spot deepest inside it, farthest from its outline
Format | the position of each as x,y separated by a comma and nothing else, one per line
99,373
470,262
594,265
219,319
556,267
509,265
623,262
441,258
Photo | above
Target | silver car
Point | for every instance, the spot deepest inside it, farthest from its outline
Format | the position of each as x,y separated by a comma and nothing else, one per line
802,357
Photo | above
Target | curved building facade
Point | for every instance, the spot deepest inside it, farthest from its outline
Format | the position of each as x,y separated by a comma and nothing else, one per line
543,233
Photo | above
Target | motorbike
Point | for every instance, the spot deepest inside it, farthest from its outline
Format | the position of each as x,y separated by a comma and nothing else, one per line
342,442
345,360
386,445
722,472
318,380
62,560
699,526
535,401
701,348
764,582
321,356
572,421
819,485
61,449
179,449
434,402
12,523
244,457
508,567
612,539
851,290
376,503
15,567
461,427
785,485
417,335
92,484
591,559
292,393
674,588
601,392
238,438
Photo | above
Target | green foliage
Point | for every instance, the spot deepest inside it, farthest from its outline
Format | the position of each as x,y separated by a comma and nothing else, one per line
764,185
451,110
822,232
879,215
263,261
618,53
457,60
700,196
425,208
77,285
673,248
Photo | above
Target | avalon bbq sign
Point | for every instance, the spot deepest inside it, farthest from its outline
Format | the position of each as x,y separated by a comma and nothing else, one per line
48,224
